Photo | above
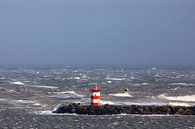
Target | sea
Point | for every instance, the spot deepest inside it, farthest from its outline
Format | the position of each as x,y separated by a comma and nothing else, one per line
29,94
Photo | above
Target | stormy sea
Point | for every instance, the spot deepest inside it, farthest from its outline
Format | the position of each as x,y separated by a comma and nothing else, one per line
29,94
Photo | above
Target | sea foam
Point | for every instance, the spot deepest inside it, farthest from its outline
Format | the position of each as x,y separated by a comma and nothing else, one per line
121,95
186,98
68,94
17,83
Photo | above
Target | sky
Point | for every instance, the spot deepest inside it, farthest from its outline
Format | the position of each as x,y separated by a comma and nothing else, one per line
87,32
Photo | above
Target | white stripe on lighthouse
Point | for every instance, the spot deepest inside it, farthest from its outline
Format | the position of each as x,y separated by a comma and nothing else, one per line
96,93
96,100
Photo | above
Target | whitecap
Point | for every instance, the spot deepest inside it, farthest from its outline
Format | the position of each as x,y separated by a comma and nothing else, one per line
49,112
36,104
121,95
103,102
186,98
140,84
42,86
143,103
179,104
24,101
115,79
17,83
67,94
176,88
182,84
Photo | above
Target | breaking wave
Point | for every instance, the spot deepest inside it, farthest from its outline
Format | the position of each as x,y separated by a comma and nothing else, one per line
17,83
186,98
182,84
179,104
121,95
103,102
68,95
42,86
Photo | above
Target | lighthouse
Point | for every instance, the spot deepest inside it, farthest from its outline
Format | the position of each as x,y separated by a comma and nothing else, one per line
95,96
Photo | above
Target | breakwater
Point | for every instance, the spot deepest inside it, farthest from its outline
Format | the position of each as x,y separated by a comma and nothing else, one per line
126,109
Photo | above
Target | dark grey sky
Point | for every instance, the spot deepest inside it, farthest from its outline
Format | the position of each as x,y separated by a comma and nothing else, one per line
97,32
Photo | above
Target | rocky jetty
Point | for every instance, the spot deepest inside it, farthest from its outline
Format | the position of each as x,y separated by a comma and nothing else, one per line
126,109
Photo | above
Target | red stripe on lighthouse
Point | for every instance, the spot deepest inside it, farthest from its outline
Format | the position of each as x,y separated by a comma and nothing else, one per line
95,97
94,90
96,104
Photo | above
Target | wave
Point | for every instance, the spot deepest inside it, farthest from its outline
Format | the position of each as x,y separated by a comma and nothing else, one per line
115,79
103,102
49,112
182,84
68,95
140,84
179,104
121,95
37,86
176,88
17,83
42,86
24,101
19,101
186,98
143,103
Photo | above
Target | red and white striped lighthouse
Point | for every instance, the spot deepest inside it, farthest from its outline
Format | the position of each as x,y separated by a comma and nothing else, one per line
95,97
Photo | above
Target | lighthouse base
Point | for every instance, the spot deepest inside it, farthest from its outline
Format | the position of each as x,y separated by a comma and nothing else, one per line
124,109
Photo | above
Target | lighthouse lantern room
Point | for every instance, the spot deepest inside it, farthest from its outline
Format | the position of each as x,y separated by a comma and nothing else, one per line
95,97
